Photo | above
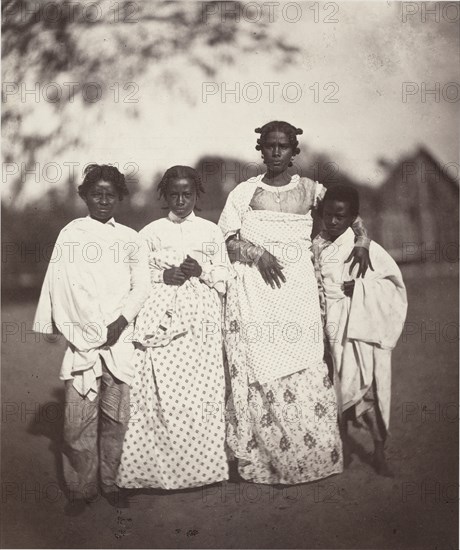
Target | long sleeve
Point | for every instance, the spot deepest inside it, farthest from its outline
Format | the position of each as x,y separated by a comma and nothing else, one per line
140,280
156,272
154,256
379,304
84,292
68,299
216,268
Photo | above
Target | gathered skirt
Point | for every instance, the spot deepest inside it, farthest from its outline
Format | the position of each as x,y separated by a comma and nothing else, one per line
285,430
176,433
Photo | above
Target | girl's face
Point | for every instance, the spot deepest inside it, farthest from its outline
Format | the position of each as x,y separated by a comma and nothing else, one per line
277,152
101,199
181,196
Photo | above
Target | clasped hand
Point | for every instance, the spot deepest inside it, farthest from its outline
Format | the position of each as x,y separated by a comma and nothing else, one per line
178,275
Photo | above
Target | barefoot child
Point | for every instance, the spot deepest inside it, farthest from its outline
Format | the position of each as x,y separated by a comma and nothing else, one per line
364,318
96,283
176,438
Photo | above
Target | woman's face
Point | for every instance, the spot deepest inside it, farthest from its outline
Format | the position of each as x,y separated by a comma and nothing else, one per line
181,196
101,199
277,152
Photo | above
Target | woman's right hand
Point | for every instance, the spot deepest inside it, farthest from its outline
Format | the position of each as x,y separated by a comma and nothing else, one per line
174,276
271,270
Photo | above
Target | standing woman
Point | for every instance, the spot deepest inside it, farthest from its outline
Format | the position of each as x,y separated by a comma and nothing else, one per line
282,411
176,435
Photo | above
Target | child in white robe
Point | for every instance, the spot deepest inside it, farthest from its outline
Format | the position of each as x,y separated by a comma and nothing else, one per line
364,318
95,285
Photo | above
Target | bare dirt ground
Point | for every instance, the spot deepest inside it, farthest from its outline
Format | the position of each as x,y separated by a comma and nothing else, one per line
358,509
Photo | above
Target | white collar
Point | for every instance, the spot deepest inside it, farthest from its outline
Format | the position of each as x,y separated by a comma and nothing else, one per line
176,219
110,222
345,238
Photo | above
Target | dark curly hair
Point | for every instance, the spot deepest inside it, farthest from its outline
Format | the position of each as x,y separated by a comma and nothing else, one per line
178,172
279,126
103,172
342,193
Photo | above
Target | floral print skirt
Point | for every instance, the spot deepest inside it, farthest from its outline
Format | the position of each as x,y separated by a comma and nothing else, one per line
291,428
284,431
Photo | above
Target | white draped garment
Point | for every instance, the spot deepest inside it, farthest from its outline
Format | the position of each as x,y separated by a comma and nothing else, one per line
362,330
97,272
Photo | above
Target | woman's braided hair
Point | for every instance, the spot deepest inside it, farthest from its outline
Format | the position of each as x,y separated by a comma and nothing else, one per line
279,126
179,172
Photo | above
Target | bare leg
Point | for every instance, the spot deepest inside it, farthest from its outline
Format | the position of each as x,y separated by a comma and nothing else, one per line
375,425
343,427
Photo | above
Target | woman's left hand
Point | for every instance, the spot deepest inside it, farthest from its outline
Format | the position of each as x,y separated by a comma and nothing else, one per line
190,267
360,255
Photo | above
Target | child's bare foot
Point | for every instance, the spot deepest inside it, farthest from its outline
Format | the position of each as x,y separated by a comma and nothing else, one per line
380,462
347,456
346,448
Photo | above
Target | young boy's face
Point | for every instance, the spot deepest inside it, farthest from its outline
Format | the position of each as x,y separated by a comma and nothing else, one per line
337,217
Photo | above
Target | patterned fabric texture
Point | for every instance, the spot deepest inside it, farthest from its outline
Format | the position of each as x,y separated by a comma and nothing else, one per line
176,433
282,414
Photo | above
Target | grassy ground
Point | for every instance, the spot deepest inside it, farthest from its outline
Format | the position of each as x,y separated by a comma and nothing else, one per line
417,509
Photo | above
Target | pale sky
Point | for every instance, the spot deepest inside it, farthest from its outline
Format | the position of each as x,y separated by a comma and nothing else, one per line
362,60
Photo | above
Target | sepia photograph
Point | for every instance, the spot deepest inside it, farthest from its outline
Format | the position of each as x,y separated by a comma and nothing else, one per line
230,293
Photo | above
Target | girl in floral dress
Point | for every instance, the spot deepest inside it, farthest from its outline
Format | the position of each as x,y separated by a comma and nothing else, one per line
282,412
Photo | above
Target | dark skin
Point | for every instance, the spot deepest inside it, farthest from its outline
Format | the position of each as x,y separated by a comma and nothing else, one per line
337,218
102,199
181,198
277,153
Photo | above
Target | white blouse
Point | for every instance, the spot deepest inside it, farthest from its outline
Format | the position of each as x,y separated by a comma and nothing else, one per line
98,272
171,239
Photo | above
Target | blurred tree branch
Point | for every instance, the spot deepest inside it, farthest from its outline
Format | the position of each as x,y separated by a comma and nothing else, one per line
74,42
